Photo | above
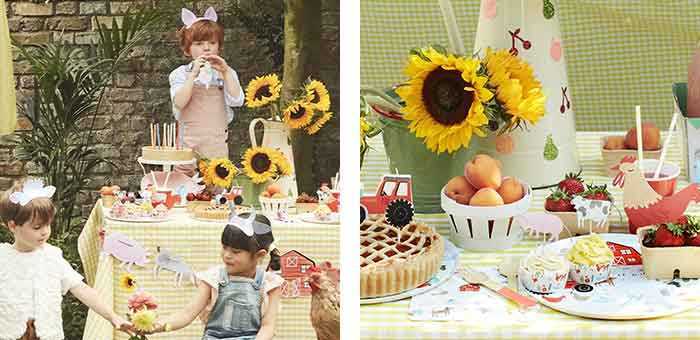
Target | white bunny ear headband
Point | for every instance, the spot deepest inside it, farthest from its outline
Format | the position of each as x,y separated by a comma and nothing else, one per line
248,226
33,188
189,18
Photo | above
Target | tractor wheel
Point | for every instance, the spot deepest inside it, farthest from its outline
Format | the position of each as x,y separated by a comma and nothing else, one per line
399,213
363,213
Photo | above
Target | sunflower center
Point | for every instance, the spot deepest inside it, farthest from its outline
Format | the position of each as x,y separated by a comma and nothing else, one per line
129,282
260,162
316,98
298,113
445,98
221,171
263,92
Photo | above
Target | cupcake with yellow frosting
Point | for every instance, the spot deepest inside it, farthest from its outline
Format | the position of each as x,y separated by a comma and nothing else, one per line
543,272
590,259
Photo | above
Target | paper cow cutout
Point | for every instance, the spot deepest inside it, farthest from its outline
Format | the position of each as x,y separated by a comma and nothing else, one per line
167,261
591,210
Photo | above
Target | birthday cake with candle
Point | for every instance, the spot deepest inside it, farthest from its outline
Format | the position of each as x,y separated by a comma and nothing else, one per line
164,145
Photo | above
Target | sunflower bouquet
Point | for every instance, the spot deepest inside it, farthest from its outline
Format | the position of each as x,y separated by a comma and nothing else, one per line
218,172
449,98
309,110
262,164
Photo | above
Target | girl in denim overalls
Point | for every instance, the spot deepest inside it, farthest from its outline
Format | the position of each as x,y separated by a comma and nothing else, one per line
237,300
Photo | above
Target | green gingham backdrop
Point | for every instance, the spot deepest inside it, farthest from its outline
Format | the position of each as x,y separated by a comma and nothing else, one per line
620,53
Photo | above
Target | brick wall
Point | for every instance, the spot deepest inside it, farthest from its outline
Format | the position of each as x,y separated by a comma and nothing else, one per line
140,93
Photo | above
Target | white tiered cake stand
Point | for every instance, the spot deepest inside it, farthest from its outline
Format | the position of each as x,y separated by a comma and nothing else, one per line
167,165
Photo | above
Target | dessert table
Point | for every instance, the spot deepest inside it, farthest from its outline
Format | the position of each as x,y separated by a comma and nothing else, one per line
198,242
391,320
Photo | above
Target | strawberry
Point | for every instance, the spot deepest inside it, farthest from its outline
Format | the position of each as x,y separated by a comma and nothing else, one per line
558,200
597,192
669,235
572,184
683,220
692,232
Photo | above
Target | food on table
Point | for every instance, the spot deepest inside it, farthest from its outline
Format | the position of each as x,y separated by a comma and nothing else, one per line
572,184
614,143
108,195
460,190
213,212
543,271
650,137
143,210
306,198
558,201
323,213
486,197
591,259
273,191
684,232
394,260
166,153
511,190
597,192
306,203
483,172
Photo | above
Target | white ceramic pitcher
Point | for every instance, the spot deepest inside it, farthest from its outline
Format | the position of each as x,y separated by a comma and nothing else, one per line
276,136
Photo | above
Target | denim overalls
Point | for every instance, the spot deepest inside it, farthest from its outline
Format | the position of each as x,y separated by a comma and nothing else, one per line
236,313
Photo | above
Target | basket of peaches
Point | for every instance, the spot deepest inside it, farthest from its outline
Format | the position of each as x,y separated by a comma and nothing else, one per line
562,202
272,200
482,204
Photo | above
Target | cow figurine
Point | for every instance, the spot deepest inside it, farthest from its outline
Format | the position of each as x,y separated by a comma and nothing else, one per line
125,250
175,264
594,210
541,223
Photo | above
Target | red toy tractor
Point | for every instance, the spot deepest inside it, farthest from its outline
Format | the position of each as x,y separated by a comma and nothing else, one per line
394,199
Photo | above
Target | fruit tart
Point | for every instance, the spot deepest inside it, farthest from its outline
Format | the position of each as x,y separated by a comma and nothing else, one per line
394,260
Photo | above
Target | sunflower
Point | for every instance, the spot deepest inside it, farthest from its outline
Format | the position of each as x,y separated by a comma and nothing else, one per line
127,282
283,166
221,172
318,124
298,114
317,95
203,167
144,320
517,89
262,90
259,165
444,99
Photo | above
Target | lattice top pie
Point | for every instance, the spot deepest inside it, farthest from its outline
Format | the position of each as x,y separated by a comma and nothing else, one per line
393,260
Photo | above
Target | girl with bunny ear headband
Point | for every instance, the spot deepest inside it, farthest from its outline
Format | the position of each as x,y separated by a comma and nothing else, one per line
245,241
205,90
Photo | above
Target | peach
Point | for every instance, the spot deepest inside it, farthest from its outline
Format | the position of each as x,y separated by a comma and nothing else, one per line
615,143
459,189
486,197
265,194
483,172
511,190
650,137
273,188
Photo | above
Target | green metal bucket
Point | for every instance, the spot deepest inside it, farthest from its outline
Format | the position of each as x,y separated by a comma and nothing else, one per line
429,171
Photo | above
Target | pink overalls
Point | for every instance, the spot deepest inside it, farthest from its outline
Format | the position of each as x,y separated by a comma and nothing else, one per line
204,125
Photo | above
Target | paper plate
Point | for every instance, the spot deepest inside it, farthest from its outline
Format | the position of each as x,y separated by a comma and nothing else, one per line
311,218
447,269
629,295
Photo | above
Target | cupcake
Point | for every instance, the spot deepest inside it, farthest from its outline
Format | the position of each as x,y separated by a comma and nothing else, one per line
543,272
591,260
108,195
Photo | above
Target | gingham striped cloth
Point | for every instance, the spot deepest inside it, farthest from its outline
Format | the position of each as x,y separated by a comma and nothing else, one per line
619,53
390,320
199,244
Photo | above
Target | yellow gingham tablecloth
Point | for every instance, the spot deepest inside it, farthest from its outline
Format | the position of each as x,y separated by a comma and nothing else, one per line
391,321
199,244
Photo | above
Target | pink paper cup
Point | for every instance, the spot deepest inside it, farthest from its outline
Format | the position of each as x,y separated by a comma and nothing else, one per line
665,185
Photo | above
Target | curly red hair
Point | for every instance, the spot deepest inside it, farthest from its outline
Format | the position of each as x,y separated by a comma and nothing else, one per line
203,30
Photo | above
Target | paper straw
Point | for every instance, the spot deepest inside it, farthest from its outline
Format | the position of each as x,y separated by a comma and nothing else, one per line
152,139
666,143
455,38
177,135
155,183
167,176
640,153
157,135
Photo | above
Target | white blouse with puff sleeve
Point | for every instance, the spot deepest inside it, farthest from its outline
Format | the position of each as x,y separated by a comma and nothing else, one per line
32,285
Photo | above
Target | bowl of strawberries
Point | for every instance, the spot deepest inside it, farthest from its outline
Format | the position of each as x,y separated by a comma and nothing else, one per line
572,199
671,250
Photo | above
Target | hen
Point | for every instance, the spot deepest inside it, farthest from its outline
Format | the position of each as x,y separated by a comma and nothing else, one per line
325,302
